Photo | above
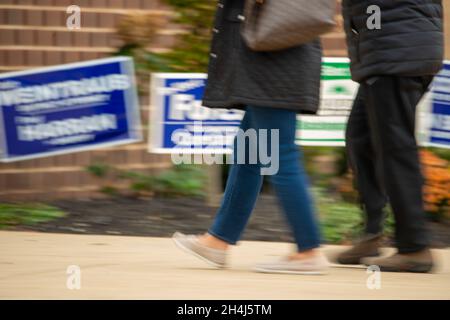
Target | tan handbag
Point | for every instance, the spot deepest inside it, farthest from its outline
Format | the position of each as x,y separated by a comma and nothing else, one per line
280,24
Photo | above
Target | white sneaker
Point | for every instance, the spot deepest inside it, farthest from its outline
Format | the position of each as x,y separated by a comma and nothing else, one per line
312,266
190,244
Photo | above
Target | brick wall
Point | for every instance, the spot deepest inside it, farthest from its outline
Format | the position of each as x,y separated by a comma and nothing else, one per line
33,33
334,42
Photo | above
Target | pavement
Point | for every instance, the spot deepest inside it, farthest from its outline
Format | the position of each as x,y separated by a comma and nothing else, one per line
51,266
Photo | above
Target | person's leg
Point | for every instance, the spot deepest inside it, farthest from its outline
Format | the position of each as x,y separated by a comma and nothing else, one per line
362,161
242,189
290,182
391,104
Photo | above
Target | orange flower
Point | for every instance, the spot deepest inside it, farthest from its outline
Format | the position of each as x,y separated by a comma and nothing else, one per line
436,190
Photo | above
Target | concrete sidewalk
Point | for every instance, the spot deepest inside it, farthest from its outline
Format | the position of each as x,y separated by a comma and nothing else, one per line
34,265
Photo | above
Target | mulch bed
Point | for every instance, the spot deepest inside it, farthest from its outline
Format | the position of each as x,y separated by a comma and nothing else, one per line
162,217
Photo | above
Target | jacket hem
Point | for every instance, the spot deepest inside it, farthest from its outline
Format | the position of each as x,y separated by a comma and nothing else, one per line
305,106
363,76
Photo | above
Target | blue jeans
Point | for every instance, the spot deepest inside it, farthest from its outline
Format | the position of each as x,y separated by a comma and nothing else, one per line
290,183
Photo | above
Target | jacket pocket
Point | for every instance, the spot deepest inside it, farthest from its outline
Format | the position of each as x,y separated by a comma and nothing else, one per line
355,40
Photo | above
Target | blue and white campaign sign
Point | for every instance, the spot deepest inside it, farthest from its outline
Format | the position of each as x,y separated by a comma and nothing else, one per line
439,131
68,108
179,122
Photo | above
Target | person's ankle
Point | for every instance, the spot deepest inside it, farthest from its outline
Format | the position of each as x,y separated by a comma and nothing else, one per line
372,235
307,254
213,242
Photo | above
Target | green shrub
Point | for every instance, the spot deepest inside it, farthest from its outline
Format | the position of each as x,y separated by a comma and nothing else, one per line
342,221
182,180
98,170
27,214
191,54
191,51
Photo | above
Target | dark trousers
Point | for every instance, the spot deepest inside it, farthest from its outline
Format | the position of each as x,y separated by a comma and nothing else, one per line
383,154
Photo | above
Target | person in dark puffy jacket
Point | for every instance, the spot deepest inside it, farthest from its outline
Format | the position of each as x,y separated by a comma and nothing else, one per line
394,63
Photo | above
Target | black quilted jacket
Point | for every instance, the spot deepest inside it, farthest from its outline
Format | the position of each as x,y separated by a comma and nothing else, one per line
409,43
238,77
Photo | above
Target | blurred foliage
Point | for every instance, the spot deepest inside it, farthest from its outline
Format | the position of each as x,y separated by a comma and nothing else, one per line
27,214
191,51
99,170
325,166
437,184
138,31
341,221
436,191
109,190
337,153
181,180
191,54
440,152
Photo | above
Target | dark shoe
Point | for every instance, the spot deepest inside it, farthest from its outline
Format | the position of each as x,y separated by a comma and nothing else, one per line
366,247
421,261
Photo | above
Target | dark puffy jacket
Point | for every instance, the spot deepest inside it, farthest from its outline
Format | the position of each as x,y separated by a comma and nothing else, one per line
409,43
238,76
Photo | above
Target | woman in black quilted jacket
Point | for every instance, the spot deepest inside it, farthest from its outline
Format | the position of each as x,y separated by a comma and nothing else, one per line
272,88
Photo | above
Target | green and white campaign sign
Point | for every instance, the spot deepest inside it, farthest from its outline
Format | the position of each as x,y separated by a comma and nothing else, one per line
327,128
